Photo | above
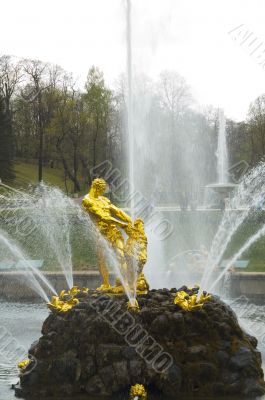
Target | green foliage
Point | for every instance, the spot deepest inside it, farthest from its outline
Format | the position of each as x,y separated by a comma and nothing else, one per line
97,104
75,125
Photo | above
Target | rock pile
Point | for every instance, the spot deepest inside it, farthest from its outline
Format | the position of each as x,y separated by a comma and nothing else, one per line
100,349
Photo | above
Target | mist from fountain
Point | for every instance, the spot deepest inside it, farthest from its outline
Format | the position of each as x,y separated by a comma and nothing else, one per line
245,247
129,98
251,188
46,213
154,175
32,273
51,213
48,224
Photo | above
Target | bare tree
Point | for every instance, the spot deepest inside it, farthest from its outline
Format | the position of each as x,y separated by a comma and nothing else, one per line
36,71
10,76
174,93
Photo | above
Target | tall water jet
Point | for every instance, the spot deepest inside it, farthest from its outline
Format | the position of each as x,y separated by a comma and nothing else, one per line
222,157
129,105
223,187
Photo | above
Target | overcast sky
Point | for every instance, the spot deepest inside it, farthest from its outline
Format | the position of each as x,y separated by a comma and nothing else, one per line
189,36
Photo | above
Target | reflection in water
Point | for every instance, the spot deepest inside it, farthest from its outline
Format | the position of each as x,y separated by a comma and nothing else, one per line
24,321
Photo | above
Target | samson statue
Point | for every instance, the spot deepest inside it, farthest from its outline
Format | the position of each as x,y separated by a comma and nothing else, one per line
114,224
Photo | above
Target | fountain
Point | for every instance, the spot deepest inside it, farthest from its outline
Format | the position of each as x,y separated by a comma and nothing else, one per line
124,339
242,205
167,342
34,277
222,154
223,188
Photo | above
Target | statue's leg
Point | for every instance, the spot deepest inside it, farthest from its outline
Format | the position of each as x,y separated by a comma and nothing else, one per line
121,256
103,269
118,246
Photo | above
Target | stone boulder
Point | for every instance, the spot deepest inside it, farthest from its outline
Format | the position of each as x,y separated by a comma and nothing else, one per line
99,348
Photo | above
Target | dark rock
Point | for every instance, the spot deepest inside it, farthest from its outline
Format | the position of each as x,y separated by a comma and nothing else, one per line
66,368
176,322
234,389
108,353
222,357
171,382
253,389
257,356
242,359
160,325
159,297
90,367
225,345
196,353
136,368
30,379
90,349
33,348
96,387
122,374
108,377
206,371
252,340
183,289
100,349
218,389
128,353
230,377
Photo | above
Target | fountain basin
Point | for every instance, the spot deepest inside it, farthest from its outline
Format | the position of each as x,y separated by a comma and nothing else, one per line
223,189
100,349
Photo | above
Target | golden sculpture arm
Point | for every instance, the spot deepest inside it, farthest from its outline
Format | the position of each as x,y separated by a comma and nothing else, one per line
120,214
92,207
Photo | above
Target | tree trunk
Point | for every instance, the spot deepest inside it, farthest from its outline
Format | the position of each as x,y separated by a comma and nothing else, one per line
41,134
76,187
67,170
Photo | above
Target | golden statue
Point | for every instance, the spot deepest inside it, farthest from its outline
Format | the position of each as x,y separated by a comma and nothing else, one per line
23,364
138,391
66,300
136,244
112,222
191,302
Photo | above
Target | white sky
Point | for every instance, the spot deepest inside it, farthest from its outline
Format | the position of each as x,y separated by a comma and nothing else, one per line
189,36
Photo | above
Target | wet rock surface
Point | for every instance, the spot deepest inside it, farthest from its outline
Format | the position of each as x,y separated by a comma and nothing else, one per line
100,349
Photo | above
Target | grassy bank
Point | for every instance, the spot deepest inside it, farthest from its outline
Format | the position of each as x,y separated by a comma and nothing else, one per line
27,174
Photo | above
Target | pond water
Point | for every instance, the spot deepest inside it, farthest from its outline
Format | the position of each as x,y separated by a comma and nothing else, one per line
23,321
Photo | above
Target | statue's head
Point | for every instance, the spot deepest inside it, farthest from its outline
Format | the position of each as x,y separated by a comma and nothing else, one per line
99,186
